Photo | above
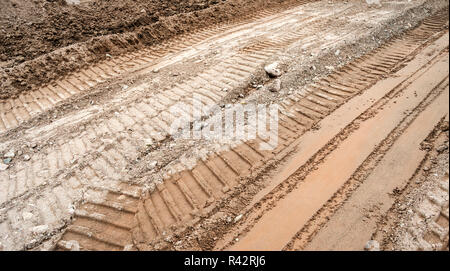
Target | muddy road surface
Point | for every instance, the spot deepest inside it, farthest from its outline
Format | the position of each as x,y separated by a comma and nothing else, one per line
128,146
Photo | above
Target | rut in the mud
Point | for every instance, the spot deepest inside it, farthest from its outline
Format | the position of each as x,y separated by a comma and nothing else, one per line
182,201
90,161
38,47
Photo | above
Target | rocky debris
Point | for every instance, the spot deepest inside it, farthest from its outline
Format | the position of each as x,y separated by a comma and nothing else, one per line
275,86
372,245
237,218
152,164
27,215
128,247
39,230
273,69
7,161
10,154
3,167
442,148
72,245
26,157
373,3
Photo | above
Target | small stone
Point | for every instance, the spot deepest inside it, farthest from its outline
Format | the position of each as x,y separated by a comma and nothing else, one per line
152,164
148,142
128,247
41,229
33,145
71,209
3,167
108,55
124,87
237,218
26,157
7,161
72,245
330,68
27,215
442,148
10,154
155,70
275,86
338,52
273,70
372,245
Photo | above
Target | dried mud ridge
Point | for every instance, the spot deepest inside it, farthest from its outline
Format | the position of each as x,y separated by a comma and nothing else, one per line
18,109
59,61
419,219
186,210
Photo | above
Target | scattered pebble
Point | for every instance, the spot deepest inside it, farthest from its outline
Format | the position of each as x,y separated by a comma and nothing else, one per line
26,157
7,161
3,167
10,154
372,245
237,218
41,229
27,215
273,70
152,164
275,86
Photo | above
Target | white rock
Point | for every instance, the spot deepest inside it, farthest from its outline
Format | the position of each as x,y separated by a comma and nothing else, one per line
26,157
71,209
148,142
10,154
275,86
273,70
373,2
372,245
236,219
3,167
72,245
128,248
41,229
27,215
152,164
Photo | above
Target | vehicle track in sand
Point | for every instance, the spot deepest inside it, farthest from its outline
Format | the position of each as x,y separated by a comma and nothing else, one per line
86,155
14,112
163,217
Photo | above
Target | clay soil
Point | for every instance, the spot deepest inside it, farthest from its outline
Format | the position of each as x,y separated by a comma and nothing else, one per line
41,40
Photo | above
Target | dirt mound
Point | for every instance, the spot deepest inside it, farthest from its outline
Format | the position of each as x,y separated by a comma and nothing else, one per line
42,40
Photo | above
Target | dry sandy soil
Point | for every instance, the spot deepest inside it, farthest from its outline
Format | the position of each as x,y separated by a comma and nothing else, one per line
89,93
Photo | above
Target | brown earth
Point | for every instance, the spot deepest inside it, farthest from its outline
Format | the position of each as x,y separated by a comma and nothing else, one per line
89,160
43,40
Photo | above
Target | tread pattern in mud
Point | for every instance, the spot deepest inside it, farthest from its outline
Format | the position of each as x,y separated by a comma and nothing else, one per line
185,198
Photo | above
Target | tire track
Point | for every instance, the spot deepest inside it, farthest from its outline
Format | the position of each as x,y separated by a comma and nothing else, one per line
184,199
16,111
294,210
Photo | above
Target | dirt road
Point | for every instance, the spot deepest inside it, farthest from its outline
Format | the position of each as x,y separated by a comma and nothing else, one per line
91,163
